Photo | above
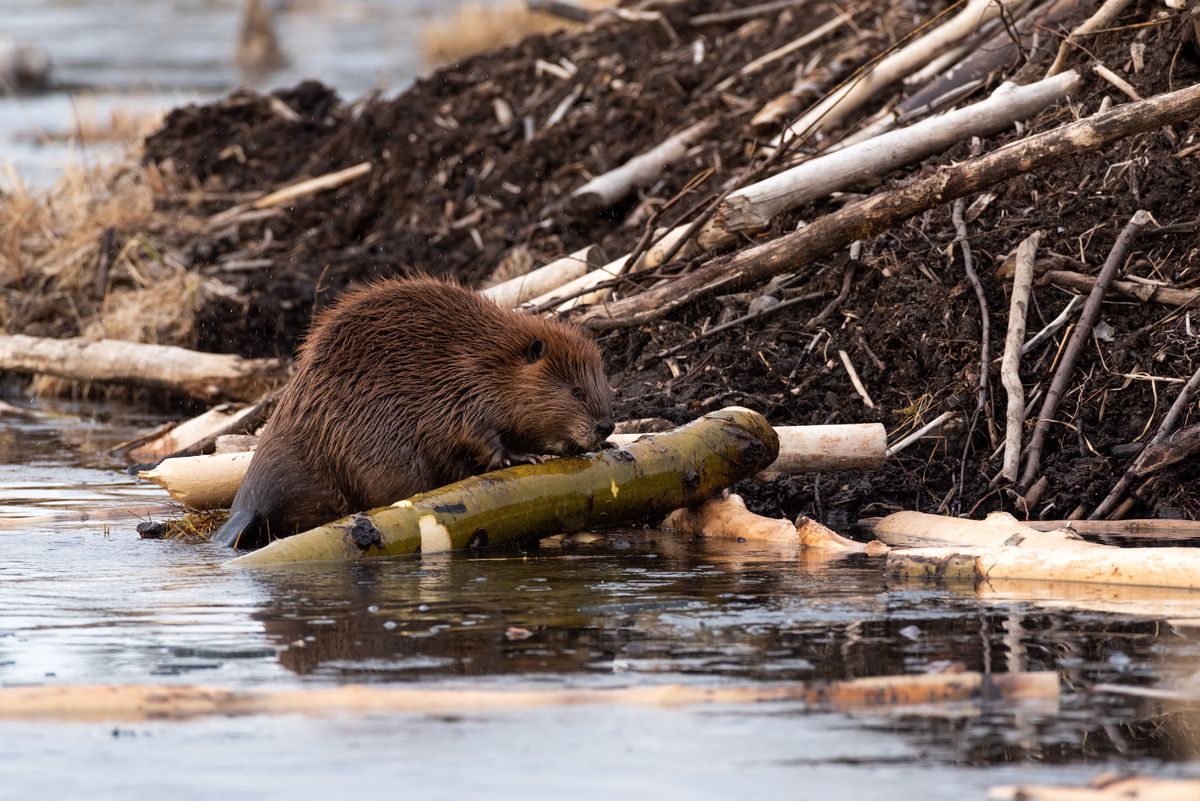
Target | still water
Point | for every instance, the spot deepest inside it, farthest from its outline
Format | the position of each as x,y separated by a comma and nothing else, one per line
89,602
146,55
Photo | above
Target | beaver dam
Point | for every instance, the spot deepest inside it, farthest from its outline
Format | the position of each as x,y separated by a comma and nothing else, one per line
916,283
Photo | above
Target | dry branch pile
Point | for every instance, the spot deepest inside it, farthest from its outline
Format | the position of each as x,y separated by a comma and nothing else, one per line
862,304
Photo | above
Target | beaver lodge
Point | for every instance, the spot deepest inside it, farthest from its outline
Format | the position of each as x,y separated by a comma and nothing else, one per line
692,149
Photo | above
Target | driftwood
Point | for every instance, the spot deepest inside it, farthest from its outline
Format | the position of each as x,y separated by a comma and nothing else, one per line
512,293
205,482
931,547
727,517
1106,788
202,375
653,476
876,214
605,190
111,702
754,206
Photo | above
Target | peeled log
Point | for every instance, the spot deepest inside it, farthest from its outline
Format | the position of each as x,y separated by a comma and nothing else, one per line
1002,548
1106,788
512,293
653,476
802,449
201,375
728,517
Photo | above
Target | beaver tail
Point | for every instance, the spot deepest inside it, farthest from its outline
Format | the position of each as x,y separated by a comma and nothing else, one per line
243,529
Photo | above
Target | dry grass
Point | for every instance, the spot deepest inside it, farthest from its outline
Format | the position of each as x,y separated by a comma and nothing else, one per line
475,27
190,527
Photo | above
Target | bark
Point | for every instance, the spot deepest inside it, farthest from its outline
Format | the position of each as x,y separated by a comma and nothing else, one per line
202,375
880,212
651,477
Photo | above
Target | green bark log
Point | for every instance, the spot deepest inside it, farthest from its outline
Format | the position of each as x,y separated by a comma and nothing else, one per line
652,476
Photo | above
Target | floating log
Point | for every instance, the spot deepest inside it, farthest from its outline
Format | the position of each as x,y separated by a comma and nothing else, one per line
653,476
727,517
1002,548
802,449
512,293
880,212
208,376
180,702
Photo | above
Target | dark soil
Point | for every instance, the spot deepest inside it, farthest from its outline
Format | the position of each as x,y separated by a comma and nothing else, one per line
454,192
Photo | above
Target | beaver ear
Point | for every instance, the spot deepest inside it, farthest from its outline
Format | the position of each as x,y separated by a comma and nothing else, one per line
535,351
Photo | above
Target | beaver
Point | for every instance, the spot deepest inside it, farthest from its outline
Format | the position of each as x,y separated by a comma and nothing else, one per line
409,384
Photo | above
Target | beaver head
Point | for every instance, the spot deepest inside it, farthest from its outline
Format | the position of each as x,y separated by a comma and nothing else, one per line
562,400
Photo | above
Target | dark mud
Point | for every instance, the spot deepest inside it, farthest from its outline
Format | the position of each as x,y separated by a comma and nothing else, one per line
456,191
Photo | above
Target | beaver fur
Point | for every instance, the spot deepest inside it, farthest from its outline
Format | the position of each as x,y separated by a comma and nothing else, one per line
409,384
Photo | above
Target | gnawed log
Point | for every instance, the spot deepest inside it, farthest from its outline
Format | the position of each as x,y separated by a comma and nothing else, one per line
605,190
727,517
512,293
182,436
754,206
115,702
1106,788
201,375
651,477
876,214
1002,548
802,449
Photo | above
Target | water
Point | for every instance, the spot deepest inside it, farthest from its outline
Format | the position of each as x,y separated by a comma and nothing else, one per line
147,55
91,603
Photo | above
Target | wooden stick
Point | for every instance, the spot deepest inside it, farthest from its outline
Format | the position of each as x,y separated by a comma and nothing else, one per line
949,548
855,380
561,9
843,102
1147,293
201,482
1107,788
727,517
742,320
754,206
512,293
739,14
294,192
1079,338
821,31
933,425
1055,324
1010,366
875,214
1124,529
605,190
209,376
1116,80
1103,17
115,702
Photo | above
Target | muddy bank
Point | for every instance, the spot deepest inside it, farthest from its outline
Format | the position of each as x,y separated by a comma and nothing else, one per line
471,168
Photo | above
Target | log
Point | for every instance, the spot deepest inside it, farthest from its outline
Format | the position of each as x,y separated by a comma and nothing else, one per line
115,702
653,476
512,293
201,482
851,96
1161,294
606,189
753,207
182,436
1106,788
1002,548
802,449
728,518
1129,530
209,376
872,216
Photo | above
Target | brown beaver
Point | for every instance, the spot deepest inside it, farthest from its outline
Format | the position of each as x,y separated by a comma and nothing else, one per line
409,384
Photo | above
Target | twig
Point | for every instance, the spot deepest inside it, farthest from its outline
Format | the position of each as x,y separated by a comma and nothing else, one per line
1116,80
739,14
843,293
560,9
745,318
985,346
1169,423
780,52
1101,19
1055,324
1010,366
933,425
855,380
1082,333
294,191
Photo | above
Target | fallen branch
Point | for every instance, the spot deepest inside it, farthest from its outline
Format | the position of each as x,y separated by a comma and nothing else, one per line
754,206
1010,366
826,28
876,214
739,14
1103,17
293,192
653,476
1147,293
728,517
929,547
181,702
202,375
205,482
512,293
1079,338
605,190
933,425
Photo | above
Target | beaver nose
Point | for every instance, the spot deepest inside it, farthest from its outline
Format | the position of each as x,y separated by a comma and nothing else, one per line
604,428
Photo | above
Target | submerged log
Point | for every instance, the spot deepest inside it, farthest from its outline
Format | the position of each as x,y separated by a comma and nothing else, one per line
945,548
650,477
802,449
141,702
201,375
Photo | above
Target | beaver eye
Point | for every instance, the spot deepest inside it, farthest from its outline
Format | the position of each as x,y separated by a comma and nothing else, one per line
578,393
